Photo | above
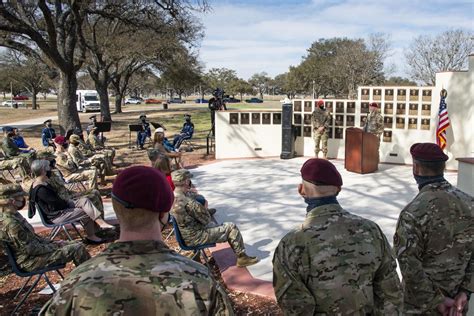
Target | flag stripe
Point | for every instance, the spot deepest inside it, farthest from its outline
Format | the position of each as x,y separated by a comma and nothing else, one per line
443,123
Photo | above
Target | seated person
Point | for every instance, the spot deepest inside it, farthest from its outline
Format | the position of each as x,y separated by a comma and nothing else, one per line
195,222
92,124
98,146
48,134
139,274
158,145
20,142
58,210
11,151
162,163
99,161
32,252
69,169
186,132
144,133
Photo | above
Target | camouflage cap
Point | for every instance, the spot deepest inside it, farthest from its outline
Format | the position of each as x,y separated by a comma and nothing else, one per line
44,154
8,191
74,138
179,176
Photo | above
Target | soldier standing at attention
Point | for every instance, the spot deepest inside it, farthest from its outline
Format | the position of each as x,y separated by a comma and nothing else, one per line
336,263
320,121
374,123
139,274
32,252
434,240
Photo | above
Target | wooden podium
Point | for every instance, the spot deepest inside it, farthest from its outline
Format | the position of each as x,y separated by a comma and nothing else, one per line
361,151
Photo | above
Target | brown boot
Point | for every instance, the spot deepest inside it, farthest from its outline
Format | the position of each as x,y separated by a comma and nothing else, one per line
243,260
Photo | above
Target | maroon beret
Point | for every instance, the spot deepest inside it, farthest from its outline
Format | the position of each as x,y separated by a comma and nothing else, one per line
321,172
143,187
320,102
60,140
427,152
374,104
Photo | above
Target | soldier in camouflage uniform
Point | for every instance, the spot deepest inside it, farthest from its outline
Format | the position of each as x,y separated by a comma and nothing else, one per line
336,263
11,151
320,122
195,222
32,252
139,274
87,150
98,146
81,160
434,239
69,169
374,123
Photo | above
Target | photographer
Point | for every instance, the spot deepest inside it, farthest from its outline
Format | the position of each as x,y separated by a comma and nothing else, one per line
216,104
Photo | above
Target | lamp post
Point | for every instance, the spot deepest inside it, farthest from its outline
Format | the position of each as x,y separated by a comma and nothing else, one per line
314,97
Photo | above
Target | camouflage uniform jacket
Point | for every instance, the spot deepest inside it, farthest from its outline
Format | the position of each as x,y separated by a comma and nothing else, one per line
86,149
19,234
375,123
336,263
192,218
434,243
65,163
95,142
138,278
319,118
9,147
76,155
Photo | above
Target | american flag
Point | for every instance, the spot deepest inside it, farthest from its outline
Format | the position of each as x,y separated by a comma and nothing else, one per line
443,121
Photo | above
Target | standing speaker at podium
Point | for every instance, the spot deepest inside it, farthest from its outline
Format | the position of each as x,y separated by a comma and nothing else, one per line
374,124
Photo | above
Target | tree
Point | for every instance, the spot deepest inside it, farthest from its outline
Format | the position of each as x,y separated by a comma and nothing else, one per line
220,78
28,72
447,51
183,75
260,82
239,86
399,81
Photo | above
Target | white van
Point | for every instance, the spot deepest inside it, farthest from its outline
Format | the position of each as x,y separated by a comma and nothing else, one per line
87,100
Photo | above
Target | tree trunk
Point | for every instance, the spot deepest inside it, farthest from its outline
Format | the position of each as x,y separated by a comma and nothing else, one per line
261,95
67,112
101,87
241,97
118,103
34,92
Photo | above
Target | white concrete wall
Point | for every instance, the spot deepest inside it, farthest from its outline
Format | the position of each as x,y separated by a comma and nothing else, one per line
247,140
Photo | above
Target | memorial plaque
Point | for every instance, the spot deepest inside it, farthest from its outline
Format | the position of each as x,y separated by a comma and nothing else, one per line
414,94
339,107
401,94
401,108
338,132
377,94
307,119
413,109
351,107
425,124
350,120
331,120
412,123
426,109
364,107
387,136
244,118
297,106
339,120
329,106
266,118
365,94
276,118
298,131
400,123
297,119
307,131
388,108
426,95
307,106
388,94
330,133
234,118
256,118
388,122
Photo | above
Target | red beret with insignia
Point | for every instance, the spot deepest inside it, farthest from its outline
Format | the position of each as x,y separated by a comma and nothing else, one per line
427,152
320,102
321,172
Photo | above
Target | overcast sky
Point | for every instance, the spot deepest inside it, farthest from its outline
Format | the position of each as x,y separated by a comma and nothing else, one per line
270,35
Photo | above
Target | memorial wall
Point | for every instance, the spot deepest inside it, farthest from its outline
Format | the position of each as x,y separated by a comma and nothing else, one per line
410,115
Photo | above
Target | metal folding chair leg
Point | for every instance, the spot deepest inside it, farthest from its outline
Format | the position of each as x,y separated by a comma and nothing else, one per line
60,274
67,234
169,235
77,231
21,289
49,283
27,294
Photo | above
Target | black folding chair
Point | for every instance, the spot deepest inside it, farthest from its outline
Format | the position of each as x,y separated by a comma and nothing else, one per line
40,273
56,228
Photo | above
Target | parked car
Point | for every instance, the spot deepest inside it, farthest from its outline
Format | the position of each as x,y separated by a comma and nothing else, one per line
201,101
132,101
20,98
12,104
254,100
153,101
231,100
176,100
